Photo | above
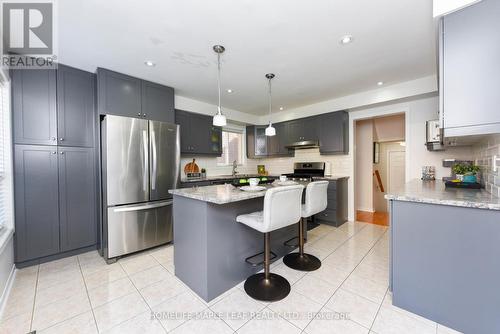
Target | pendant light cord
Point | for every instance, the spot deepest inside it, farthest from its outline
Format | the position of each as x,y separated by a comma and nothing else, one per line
218,82
270,100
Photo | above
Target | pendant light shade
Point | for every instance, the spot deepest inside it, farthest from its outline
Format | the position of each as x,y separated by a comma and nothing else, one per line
270,130
219,118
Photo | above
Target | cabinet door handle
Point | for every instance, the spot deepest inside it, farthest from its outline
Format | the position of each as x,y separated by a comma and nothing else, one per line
61,139
138,114
62,153
54,152
53,138
143,115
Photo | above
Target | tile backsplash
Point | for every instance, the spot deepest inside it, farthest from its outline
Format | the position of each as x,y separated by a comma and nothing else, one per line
483,154
340,164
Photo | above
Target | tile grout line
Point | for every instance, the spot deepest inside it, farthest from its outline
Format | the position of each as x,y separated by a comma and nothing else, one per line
378,310
361,260
34,297
336,248
87,292
140,294
340,245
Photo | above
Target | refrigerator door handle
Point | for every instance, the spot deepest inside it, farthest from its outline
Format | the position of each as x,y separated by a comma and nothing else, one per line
154,162
143,206
146,160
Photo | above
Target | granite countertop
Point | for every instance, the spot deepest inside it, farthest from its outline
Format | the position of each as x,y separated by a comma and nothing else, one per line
224,177
230,177
331,177
221,194
434,192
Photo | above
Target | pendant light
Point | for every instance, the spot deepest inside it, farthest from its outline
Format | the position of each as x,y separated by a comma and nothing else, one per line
270,130
219,118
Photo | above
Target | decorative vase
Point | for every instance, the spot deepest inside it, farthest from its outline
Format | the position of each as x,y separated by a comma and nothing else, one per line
470,178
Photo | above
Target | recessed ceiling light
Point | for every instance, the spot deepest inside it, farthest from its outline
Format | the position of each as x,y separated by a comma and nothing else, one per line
281,108
229,90
380,83
346,39
149,63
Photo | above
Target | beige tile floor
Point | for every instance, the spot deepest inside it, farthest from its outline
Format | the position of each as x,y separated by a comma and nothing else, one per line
348,294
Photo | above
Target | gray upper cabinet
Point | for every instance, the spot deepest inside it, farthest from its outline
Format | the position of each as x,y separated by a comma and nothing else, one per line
75,107
34,106
470,70
331,129
77,204
36,202
302,129
123,95
198,135
158,102
334,133
277,144
261,140
118,94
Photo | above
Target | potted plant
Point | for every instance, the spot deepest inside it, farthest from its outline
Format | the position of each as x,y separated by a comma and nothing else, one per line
466,172
203,172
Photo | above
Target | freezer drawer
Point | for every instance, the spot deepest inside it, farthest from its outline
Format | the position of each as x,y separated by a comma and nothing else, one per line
135,227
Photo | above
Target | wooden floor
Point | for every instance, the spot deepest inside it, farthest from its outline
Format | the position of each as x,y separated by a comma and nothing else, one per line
377,218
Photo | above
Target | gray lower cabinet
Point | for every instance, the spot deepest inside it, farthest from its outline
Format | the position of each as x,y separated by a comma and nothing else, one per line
55,200
158,102
123,95
34,106
470,70
198,135
77,202
75,107
36,202
334,133
336,211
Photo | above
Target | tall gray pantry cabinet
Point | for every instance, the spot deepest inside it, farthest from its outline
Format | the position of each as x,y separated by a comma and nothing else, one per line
55,173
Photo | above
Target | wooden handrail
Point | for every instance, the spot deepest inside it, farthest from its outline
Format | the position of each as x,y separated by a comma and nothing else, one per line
379,180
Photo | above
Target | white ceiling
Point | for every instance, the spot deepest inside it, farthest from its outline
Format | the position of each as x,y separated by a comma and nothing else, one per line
298,40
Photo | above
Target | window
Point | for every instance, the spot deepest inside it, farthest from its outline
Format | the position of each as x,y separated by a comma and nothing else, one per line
232,147
5,158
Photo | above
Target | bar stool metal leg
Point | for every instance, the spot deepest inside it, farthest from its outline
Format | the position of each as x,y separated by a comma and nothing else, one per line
302,261
267,286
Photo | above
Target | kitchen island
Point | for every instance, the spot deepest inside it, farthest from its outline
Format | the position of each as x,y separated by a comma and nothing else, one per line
210,246
445,255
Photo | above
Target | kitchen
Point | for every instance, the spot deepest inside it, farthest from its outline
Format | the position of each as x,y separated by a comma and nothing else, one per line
162,182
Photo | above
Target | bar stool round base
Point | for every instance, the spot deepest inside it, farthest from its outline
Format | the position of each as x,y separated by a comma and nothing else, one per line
304,262
270,290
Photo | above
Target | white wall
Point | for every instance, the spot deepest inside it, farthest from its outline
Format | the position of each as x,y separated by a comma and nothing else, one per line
6,269
364,165
420,111
185,103
417,111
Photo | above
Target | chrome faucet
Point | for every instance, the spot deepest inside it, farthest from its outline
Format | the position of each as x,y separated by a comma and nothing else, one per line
235,165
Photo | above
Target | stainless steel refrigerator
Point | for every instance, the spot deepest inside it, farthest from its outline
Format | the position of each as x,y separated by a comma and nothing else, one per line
140,162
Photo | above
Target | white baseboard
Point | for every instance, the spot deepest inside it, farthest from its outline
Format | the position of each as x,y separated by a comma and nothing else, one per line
8,288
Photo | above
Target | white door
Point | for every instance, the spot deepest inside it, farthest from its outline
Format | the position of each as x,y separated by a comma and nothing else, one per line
396,170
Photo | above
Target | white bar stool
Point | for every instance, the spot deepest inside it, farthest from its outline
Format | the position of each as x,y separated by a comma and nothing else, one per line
316,201
282,207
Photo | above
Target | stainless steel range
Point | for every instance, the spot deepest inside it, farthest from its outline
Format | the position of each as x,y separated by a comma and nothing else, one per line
306,171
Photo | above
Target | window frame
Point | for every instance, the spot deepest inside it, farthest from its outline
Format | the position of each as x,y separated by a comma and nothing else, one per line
239,130
7,178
